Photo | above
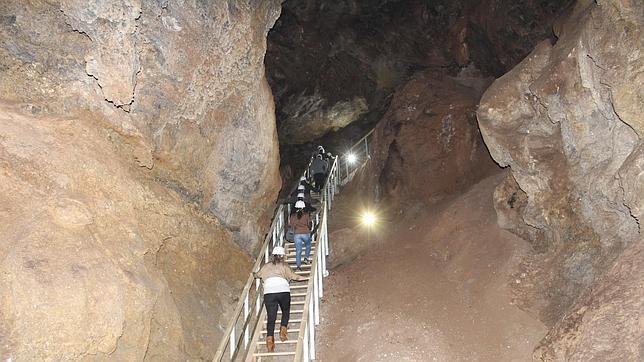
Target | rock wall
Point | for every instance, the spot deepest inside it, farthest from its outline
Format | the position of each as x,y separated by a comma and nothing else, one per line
184,81
335,63
426,148
427,145
125,126
567,121
98,260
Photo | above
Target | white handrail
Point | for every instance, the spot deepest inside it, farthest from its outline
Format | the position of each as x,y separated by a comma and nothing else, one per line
245,324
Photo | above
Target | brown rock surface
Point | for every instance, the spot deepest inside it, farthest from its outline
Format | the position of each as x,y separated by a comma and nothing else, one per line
428,145
99,261
564,120
426,148
326,54
184,82
103,259
435,290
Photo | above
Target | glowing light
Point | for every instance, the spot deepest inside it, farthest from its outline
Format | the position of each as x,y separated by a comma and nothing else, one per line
368,218
351,158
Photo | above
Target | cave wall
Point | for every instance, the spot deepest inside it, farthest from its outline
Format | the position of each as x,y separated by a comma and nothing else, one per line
334,64
183,81
138,144
427,145
567,121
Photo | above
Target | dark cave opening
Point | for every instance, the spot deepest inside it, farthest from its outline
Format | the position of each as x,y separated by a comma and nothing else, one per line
335,66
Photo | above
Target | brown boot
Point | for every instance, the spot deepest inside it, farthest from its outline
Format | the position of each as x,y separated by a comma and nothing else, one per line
270,343
283,333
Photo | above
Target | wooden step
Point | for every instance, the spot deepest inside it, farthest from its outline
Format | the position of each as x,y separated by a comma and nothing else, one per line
290,321
288,331
302,266
277,342
292,244
293,252
273,354
291,312
300,286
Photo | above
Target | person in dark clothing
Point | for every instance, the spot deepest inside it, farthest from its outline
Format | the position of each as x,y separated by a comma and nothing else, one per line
319,169
307,187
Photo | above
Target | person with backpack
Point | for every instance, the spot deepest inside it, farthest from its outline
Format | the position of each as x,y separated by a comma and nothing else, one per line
276,276
301,223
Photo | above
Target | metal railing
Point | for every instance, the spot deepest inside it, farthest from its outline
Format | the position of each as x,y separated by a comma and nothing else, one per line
244,322
247,315
305,350
354,158
245,325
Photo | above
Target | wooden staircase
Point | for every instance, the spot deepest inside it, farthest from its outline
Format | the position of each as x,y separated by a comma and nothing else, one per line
286,351
245,336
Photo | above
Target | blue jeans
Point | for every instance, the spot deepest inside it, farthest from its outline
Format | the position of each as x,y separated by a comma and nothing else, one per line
299,238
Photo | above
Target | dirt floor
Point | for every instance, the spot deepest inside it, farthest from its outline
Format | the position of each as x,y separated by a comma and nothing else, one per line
439,290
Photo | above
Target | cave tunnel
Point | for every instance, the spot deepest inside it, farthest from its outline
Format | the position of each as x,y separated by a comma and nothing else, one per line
481,197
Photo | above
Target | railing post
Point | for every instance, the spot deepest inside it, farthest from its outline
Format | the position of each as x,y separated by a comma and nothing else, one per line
311,328
233,342
316,306
246,331
366,148
305,354
319,274
322,256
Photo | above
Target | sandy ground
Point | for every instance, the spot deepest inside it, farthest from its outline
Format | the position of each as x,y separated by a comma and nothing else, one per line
439,290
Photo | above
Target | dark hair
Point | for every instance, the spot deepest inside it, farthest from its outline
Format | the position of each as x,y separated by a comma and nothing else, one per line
299,214
275,257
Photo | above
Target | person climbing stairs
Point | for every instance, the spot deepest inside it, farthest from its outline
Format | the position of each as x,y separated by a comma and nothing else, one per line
245,336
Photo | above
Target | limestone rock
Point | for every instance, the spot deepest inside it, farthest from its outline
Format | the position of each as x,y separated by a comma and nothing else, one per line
427,145
183,82
564,120
326,54
110,26
135,122
309,118
607,323
97,260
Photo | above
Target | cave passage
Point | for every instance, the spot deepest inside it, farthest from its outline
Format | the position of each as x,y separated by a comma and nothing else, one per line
434,274
489,162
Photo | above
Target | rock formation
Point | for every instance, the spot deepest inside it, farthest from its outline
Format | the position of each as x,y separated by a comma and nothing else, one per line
567,121
125,126
328,55
185,83
427,145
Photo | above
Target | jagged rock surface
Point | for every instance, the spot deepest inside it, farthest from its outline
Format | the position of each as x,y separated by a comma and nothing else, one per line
567,121
427,145
184,82
97,259
102,258
326,54
425,148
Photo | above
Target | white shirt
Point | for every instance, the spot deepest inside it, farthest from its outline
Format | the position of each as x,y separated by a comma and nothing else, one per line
276,285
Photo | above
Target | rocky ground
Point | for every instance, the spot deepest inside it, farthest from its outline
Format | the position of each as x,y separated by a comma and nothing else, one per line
436,289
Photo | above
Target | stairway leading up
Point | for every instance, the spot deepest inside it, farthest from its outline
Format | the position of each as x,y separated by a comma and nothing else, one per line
244,338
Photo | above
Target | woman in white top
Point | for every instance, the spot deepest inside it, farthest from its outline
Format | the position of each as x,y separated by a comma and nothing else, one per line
275,277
